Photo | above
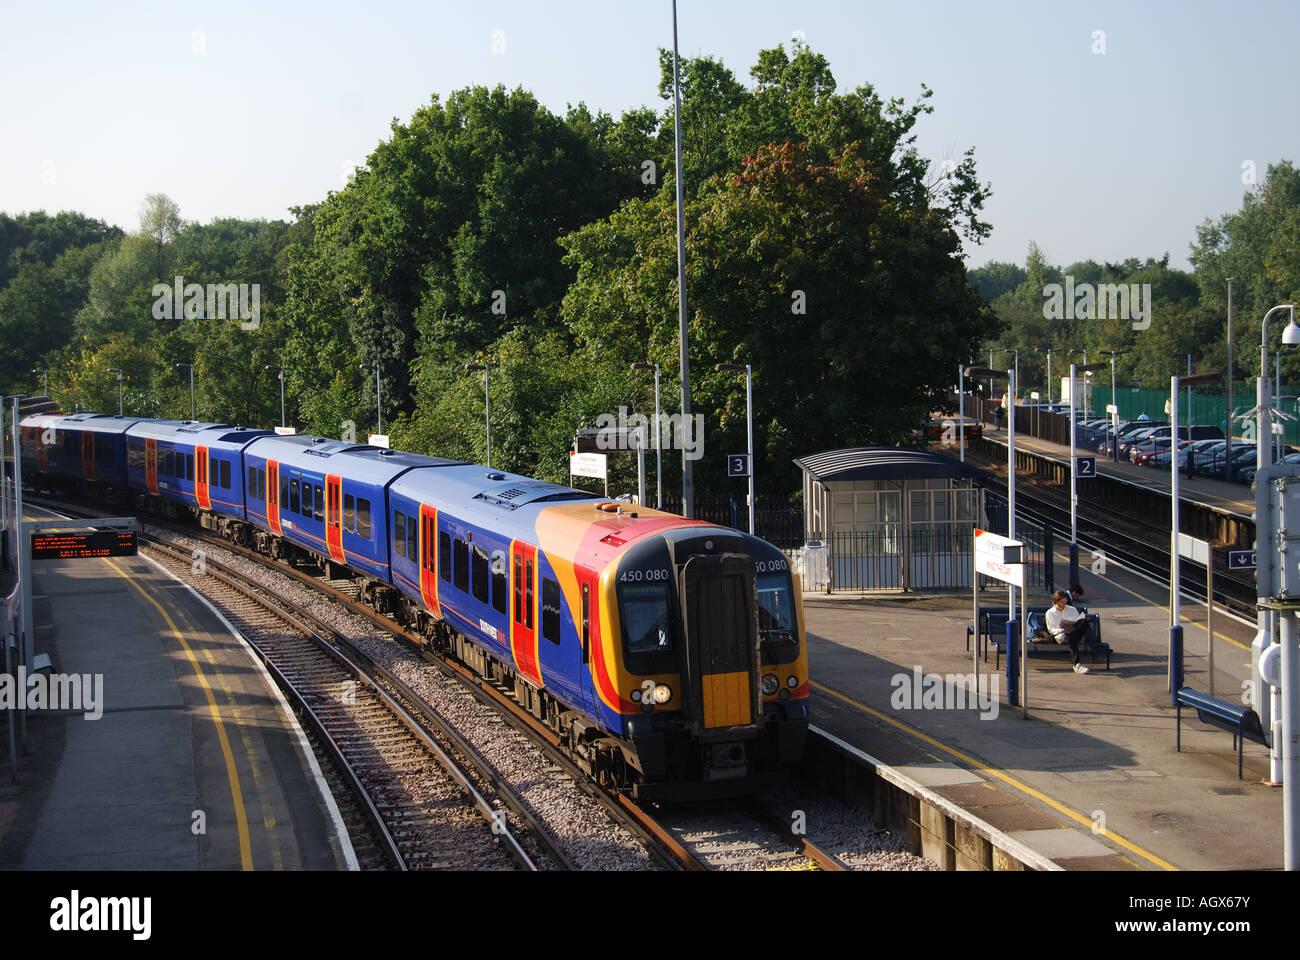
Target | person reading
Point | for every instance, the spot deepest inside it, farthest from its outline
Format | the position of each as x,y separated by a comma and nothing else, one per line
1067,625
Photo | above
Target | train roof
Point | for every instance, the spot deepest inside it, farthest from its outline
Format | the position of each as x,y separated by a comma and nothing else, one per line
95,422
199,433
360,461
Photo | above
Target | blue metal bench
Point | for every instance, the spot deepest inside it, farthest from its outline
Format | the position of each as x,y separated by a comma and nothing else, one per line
992,628
1242,722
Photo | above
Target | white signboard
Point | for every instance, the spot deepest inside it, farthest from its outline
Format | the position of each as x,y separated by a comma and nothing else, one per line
378,439
992,556
587,465
285,431
1198,551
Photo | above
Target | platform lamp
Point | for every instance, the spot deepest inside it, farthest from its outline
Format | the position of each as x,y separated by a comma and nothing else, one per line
190,368
45,381
487,404
1075,370
659,464
279,373
119,388
749,425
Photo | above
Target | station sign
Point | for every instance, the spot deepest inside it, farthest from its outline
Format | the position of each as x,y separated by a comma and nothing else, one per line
1241,560
1198,551
737,464
1000,557
1085,467
377,440
588,465
84,543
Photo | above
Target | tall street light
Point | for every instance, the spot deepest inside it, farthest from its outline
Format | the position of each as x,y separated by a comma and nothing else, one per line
379,400
688,482
119,388
1075,370
1049,376
190,368
1114,446
1263,420
487,404
659,463
280,374
45,381
749,427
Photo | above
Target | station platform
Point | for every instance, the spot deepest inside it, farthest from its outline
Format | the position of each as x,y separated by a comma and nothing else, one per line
1091,778
1234,498
189,760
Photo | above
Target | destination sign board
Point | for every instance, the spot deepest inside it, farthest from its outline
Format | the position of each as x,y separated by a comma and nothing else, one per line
75,545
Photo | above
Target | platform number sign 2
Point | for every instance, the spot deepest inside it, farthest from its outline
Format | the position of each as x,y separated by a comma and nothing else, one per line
1086,466
738,465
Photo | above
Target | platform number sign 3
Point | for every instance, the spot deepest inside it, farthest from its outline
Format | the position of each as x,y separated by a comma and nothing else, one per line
1086,466
738,465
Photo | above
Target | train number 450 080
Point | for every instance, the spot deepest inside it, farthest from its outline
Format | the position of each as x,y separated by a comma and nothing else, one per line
633,576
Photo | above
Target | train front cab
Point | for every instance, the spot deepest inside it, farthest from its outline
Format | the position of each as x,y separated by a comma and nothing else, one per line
721,611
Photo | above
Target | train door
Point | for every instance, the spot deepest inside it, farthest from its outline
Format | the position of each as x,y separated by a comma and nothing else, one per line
428,559
523,609
273,497
334,516
720,617
588,636
151,464
87,455
201,478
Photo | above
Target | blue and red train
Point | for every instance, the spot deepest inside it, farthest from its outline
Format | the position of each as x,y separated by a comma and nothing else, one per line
668,654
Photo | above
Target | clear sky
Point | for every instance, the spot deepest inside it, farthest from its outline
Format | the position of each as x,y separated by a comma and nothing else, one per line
245,109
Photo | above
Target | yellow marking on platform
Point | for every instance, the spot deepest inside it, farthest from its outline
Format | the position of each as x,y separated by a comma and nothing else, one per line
236,794
994,772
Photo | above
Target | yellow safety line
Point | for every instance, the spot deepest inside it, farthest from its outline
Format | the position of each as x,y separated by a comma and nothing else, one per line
991,771
236,795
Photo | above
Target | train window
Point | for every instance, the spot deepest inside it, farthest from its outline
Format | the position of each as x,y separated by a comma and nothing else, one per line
480,575
252,481
189,466
284,489
306,500
460,574
586,621
519,589
350,513
551,610
426,559
210,469
363,518
261,483
411,546
169,466
444,556
647,619
225,474
318,494
776,627
499,582
528,593
399,533
294,503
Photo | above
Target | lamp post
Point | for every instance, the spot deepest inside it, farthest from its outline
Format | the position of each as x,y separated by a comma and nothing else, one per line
749,427
280,374
688,483
379,401
1114,402
1049,376
190,367
659,463
119,388
1263,421
45,381
487,404
961,409
1074,468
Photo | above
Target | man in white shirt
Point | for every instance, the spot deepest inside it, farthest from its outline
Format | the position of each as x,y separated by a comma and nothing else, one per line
1067,625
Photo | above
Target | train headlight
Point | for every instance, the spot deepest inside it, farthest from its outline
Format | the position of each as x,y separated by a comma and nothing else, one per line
635,695
663,693
785,695
792,681
770,684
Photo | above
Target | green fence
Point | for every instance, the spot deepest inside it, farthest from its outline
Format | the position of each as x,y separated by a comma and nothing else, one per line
1206,408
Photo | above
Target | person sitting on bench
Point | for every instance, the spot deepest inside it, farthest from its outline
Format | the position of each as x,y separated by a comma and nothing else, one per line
1067,625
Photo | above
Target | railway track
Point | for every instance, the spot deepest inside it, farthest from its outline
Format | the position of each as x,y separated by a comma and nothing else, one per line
1136,545
422,802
